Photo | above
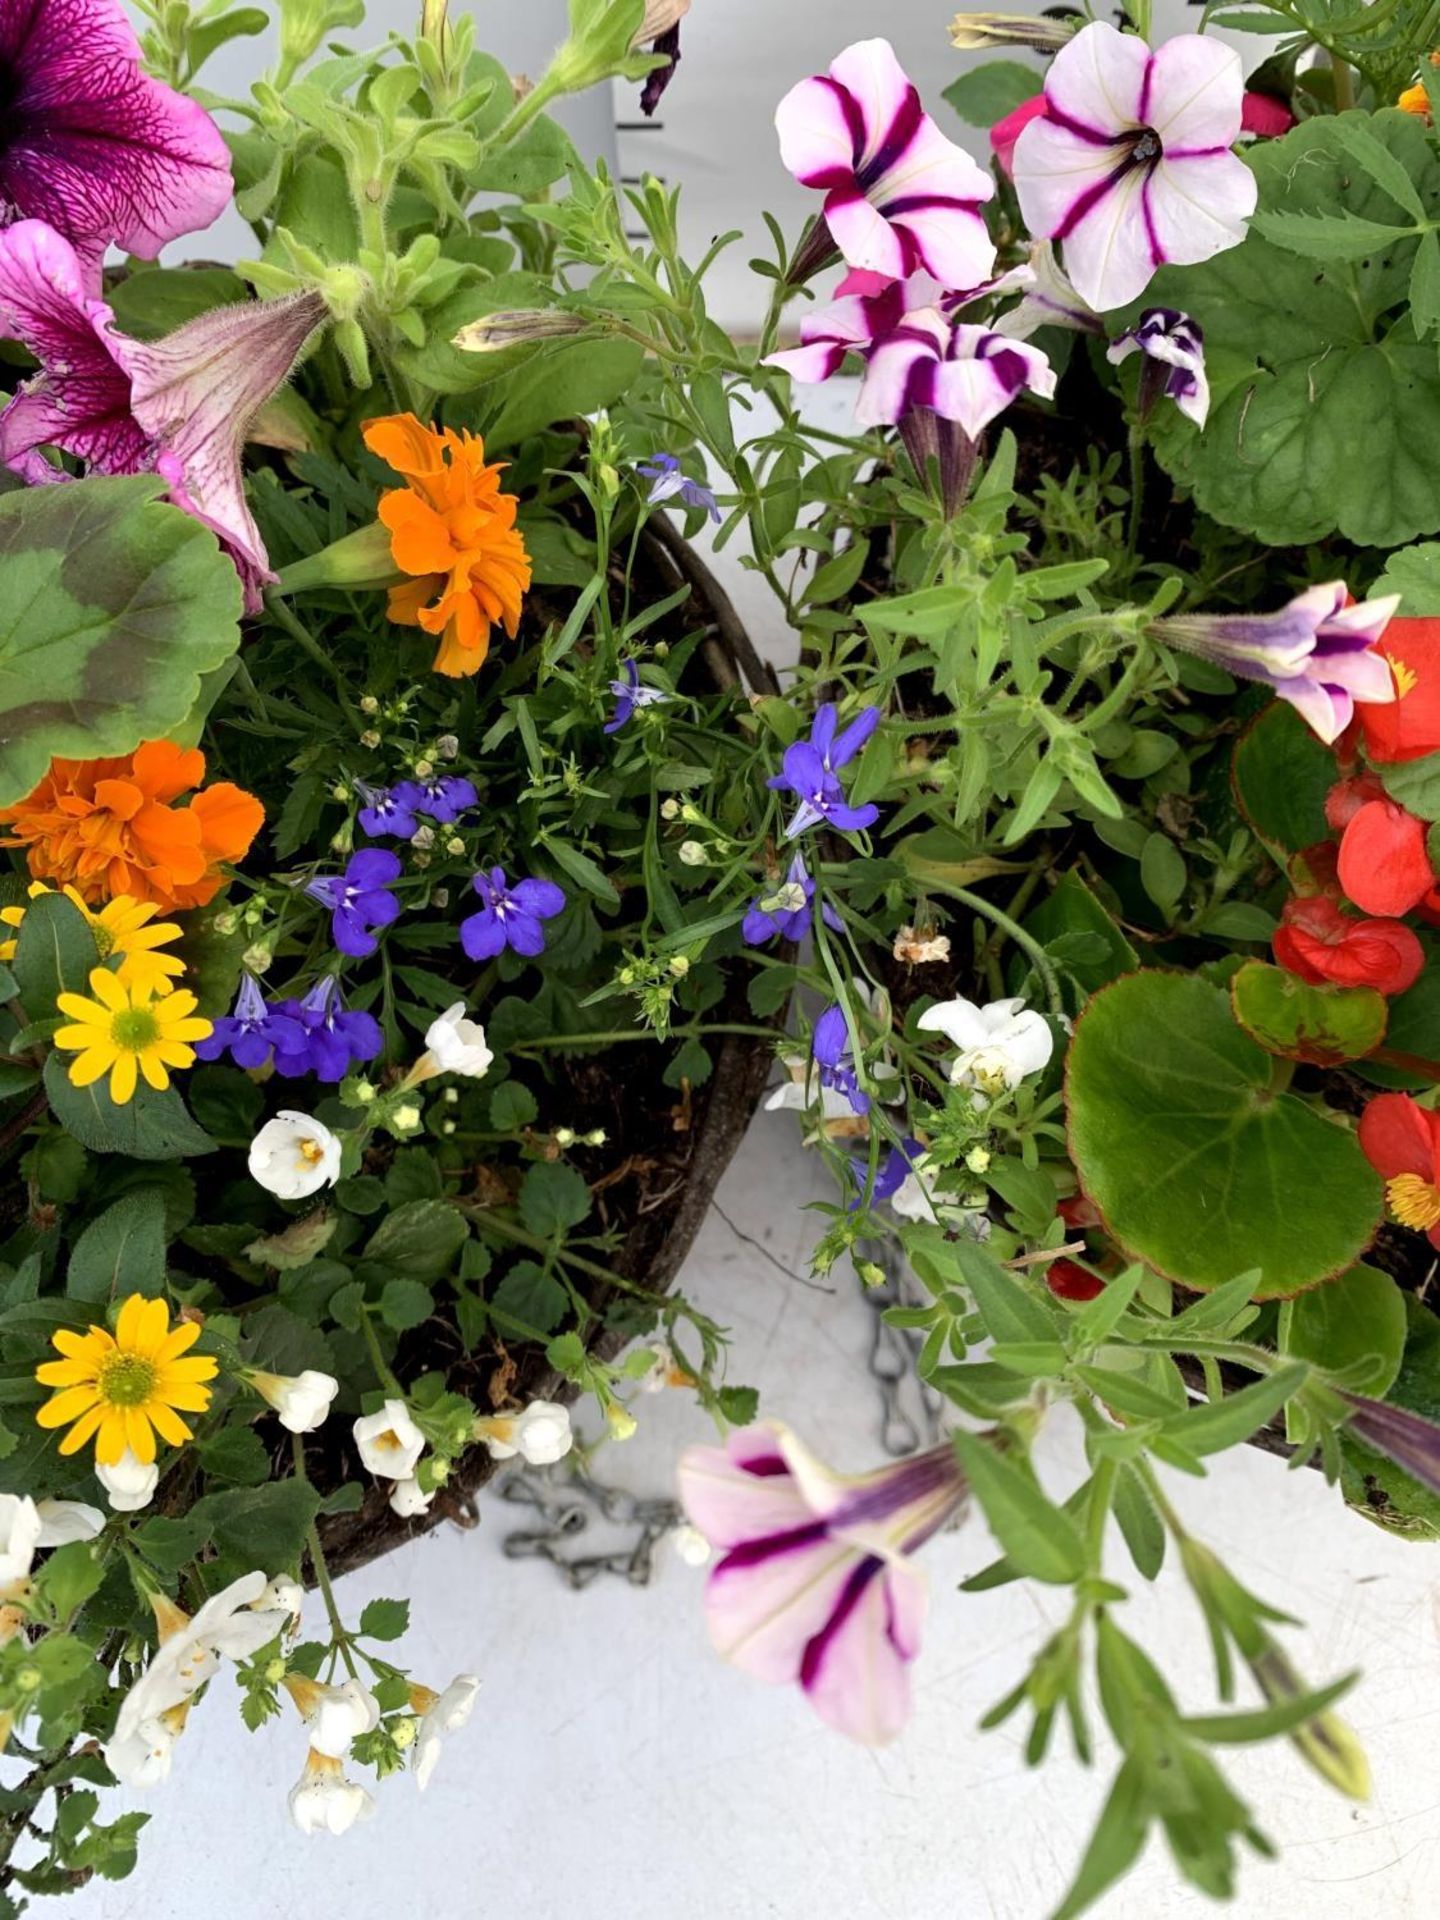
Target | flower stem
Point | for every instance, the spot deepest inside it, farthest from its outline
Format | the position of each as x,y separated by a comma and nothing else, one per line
1028,944
338,1630
377,1359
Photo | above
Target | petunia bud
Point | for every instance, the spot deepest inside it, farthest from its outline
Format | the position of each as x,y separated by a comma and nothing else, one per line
978,32
517,327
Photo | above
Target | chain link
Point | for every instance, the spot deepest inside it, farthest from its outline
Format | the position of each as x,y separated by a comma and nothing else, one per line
566,1499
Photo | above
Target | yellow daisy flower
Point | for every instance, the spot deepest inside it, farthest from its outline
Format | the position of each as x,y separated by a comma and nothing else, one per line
121,1388
123,926
125,1032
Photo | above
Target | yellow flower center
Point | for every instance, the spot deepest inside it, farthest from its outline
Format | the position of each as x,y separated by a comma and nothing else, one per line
126,1380
1405,677
134,1029
103,937
311,1152
1413,1201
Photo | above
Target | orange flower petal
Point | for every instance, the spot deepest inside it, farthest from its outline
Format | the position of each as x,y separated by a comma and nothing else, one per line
229,820
166,771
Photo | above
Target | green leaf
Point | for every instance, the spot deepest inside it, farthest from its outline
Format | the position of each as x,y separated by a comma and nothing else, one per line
256,1526
1073,909
236,1455
1324,1026
1011,1314
562,382
121,1253
987,93
1115,1845
413,1174
553,1198
419,1240
1327,236
1035,1535
405,1304
582,870
529,1294
150,1126
512,1106
384,1619
1191,1156
1140,1525
1354,1326
115,605
1219,1424
71,1575
1162,872
1325,412
1415,785
1281,775
1413,573
55,952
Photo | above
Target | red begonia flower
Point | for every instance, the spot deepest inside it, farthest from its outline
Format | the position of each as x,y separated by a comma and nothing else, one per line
1320,944
1407,727
1401,1140
1067,1281
1384,867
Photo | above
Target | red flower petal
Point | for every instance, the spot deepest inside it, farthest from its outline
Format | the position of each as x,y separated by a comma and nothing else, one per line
1384,867
1067,1281
1408,727
1397,1136
1321,945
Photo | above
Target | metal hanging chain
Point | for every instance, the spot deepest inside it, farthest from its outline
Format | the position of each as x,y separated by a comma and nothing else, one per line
893,1354
566,1499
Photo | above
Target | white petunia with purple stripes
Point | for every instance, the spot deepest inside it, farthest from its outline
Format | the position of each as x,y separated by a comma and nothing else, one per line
899,197
1174,348
815,1585
1130,168
962,373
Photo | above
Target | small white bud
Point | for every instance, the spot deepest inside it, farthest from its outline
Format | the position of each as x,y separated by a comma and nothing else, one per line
257,958
692,854
370,738
369,704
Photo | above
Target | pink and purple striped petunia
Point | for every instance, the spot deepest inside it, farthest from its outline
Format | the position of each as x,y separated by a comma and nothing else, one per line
899,197
178,406
1130,165
966,374
92,145
816,1584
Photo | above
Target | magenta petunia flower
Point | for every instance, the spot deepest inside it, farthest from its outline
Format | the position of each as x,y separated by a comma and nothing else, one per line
178,406
1130,165
899,196
1173,344
962,373
816,1584
91,144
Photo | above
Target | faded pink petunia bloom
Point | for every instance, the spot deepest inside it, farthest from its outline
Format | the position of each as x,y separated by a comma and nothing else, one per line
1008,130
1130,165
816,1584
854,323
91,144
178,406
899,196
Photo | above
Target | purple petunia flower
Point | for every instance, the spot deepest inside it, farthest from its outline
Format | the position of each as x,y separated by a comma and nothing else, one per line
630,695
388,812
830,1046
808,770
94,146
667,482
444,797
1174,348
899,196
328,1038
178,407
785,913
890,1175
251,1032
961,373
1316,652
509,916
359,899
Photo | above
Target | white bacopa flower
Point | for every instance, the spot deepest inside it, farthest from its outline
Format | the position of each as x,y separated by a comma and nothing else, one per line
293,1156
141,1755
457,1044
389,1442
63,1521
998,1045
20,1527
282,1596
129,1483
440,1714
324,1801
539,1434
333,1716
302,1400
408,1498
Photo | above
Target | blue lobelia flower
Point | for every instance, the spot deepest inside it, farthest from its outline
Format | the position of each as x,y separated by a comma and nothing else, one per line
630,695
668,482
388,812
785,913
830,1046
890,1175
329,1038
509,916
809,771
251,1032
442,798
359,899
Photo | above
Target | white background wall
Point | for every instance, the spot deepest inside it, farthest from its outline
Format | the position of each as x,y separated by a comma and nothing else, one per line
613,1765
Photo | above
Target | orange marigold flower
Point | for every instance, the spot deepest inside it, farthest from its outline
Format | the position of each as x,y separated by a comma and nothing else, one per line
1415,100
109,827
454,532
